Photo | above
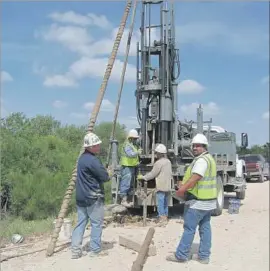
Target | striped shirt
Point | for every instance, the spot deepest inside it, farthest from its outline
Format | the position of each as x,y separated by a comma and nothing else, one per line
200,168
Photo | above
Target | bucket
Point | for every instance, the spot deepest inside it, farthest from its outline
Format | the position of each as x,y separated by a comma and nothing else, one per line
234,206
66,230
17,238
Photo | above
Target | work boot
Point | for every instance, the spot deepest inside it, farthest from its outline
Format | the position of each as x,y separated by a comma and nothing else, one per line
172,258
77,255
125,203
162,221
195,257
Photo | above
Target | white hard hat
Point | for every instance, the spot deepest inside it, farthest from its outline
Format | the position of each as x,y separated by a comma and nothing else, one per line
90,140
133,134
200,139
161,148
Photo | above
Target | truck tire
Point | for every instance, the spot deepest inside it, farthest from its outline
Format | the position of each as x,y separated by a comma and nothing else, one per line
241,194
220,197
261,179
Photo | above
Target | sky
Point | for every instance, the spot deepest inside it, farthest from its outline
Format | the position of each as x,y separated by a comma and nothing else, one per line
54,54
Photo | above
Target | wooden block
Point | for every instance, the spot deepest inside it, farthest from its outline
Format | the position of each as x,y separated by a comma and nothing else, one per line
142,255
125,242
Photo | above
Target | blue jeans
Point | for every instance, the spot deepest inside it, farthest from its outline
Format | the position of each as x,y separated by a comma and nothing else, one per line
162,203
127,174
95,213
192,219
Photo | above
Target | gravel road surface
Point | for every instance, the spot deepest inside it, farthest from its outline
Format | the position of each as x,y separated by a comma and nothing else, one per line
240,242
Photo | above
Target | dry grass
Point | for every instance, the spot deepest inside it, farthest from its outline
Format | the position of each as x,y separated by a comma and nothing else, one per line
11,226
28,229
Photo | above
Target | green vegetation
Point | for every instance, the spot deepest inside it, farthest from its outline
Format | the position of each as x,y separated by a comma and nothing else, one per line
37,158
23,227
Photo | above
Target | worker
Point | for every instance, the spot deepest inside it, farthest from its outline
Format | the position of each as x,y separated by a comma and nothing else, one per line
129,162
162,172
199,189
91,176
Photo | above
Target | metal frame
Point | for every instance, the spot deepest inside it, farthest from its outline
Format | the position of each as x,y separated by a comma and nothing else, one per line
157,111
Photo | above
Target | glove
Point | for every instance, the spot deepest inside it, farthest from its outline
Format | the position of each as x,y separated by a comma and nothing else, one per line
140,177
110,172
139,151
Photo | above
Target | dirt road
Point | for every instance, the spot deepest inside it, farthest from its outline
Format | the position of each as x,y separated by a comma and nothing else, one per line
240,242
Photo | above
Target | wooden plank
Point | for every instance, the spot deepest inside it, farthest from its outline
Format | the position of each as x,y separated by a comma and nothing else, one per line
145,203
142,255
131,244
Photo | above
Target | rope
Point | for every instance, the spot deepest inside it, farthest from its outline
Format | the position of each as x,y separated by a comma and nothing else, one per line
122,78
69,191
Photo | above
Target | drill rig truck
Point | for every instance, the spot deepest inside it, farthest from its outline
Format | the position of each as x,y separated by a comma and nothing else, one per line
158,68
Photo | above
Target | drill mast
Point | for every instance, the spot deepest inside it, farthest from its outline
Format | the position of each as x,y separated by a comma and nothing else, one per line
158,68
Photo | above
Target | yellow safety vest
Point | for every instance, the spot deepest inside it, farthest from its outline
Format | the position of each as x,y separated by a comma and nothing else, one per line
129,161
206,187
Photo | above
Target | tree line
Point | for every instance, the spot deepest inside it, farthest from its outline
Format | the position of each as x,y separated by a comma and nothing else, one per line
37,157
256,149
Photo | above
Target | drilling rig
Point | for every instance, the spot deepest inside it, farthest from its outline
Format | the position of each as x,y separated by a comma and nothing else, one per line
158,68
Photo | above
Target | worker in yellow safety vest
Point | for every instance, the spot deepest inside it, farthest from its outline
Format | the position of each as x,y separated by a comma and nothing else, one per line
199,189
129,162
